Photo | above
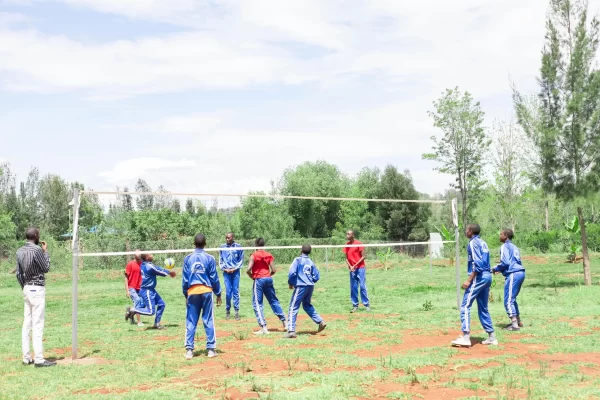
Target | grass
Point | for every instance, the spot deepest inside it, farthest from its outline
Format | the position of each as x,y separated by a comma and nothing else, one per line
400,350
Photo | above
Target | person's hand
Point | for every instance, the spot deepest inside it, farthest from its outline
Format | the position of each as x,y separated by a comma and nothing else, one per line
219,302
291,286
495,272
44,246
466,284
172,274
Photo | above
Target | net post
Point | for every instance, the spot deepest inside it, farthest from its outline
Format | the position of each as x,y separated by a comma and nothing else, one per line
75,247
457,250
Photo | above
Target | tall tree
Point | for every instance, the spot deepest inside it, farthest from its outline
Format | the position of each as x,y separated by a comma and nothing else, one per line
569,138
463,146
162,200
144,201
55,195
313,218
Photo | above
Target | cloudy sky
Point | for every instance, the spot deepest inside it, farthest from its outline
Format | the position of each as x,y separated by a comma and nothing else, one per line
222,96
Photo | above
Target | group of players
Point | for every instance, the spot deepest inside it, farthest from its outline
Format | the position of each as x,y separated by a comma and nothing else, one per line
200,282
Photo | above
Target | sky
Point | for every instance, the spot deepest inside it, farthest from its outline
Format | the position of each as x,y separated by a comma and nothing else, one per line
223,96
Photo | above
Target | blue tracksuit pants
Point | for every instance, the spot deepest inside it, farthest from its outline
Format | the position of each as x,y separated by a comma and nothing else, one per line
232,290
512,287
153,304
302,295
200,304
264,287
359,278
480,291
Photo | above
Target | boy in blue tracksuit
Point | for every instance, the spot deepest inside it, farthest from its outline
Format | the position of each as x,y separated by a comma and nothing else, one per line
477,287
230,262
302,276
152,303
200,281
511,267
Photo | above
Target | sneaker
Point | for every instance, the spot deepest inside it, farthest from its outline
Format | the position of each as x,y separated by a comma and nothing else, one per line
262,331
461,342
159,327
284,323
290,335
27,362
512,328
189,355
46,363
140,324
490,342
322,326
368,309
237,316
211,353
354,309
131,318
227,316
127,313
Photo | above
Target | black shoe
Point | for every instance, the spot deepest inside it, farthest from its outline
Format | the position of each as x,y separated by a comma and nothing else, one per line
28,362
46,363
227,316
159,327
512,328
322,326
237,316
128,313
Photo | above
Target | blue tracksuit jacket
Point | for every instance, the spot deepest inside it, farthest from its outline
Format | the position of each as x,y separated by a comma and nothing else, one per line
510,259
149,273
303,275
303,272
231,259
199,268
150,301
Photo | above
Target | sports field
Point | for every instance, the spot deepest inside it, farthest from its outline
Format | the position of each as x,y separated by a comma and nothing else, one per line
399,351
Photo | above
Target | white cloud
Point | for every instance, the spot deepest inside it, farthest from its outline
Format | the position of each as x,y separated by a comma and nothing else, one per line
126,171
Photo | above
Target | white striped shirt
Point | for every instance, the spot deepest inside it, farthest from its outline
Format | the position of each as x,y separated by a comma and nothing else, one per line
32,264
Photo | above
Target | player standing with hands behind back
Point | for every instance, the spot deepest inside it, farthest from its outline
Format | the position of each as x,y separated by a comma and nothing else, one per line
355,258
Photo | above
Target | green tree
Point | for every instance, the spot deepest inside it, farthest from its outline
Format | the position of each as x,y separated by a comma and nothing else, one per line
464,145
144,201
313,218
54,196
264,217
403,221
569,137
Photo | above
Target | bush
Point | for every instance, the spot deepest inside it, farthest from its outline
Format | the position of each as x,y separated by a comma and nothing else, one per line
539,240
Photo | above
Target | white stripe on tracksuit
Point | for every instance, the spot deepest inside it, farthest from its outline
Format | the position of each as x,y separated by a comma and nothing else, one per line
467,316
257,305
149,305
510,295
290,311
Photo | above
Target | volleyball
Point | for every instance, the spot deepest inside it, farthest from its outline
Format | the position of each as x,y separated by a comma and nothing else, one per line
169,263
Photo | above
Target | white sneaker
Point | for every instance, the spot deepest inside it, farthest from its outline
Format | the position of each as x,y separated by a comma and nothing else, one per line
262,331
189,355
461,342
140,324
211,353
490,342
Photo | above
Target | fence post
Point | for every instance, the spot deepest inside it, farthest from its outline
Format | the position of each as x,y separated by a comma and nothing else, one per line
75,273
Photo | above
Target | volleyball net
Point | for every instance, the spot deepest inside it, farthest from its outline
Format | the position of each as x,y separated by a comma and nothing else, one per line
110,227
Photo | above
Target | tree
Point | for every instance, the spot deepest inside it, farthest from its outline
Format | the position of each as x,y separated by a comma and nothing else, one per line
124,200
189,207
264,217
401,220
162,200
511,164
91,212
313,218
464,146
54,196
144,201
569,136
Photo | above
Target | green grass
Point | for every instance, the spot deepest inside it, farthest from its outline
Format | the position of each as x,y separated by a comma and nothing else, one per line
400,351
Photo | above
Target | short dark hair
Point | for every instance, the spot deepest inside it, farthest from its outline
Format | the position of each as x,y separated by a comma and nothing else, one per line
200,241
32,233
508,233
306,249
259,242
144,256
474,228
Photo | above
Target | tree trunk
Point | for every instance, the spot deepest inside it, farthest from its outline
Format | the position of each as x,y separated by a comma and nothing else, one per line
587,274
464,210
547,218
